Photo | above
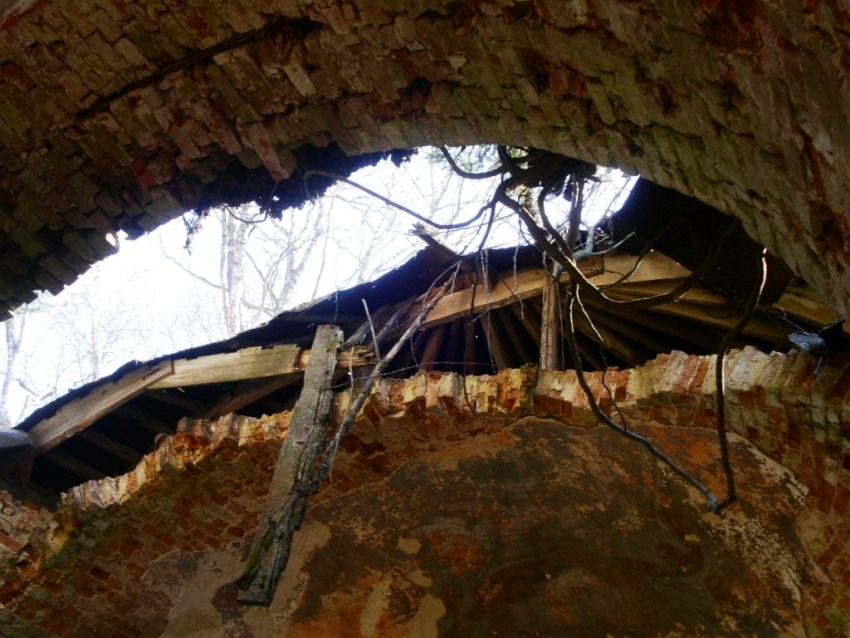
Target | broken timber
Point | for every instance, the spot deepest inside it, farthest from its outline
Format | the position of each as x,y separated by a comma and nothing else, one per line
295,473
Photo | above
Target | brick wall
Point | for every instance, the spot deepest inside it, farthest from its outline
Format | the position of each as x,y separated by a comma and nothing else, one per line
124,114
203,489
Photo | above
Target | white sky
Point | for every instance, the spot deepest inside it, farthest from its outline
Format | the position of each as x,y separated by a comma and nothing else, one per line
138,304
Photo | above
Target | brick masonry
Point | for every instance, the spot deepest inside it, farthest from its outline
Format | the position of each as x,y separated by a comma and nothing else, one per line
197,498
121,114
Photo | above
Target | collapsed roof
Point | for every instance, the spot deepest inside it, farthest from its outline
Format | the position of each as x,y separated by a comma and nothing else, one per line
490,321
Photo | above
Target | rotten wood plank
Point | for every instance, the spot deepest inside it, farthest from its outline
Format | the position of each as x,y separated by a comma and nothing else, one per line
82,412
251,363
248,363
296,465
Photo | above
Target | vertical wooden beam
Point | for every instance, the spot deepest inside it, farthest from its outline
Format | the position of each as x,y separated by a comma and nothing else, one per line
296,465
550,326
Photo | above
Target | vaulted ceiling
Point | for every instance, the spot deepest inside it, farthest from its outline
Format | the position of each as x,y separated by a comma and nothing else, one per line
120,115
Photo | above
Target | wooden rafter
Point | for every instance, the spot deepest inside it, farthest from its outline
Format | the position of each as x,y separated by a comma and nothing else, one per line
147,421
530,283
247,393
110,445
73,465
102,400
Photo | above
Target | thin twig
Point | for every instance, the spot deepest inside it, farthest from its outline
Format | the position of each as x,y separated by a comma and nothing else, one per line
377,371
372,330
396,205
557,249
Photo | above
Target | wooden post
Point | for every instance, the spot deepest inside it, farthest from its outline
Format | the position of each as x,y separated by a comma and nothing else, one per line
550,326
295,473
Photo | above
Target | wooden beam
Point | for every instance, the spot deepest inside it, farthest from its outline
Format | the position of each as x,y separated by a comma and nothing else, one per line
530,283
73,465
296,464
520,342
633,331
550,327
725,318
706,337
82,412
629,352
804,304
431,352
695,294
529,317
110,445
246,394
495,340
170,397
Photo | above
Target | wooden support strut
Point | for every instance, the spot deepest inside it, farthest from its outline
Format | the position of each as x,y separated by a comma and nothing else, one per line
294,473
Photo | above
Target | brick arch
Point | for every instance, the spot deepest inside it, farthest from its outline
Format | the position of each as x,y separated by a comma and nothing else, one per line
138,112
196,499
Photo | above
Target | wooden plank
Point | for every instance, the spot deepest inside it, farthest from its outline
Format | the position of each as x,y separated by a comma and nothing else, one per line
653,266
475,300
296,464
82,412
251,363
248,363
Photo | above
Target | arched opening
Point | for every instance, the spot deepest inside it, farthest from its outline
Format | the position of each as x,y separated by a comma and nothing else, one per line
147,111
